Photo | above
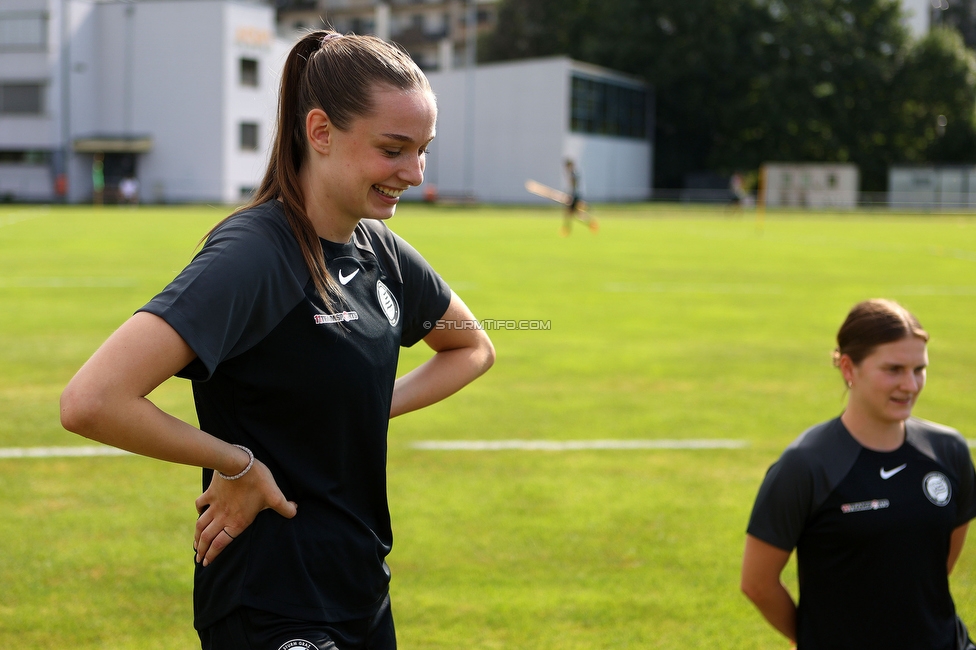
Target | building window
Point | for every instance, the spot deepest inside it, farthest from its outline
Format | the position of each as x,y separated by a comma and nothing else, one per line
30,157
249,136
608,108
249,72
21,99
23,31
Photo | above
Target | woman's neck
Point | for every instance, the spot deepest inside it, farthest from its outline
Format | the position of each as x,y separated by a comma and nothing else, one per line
872,433
323,214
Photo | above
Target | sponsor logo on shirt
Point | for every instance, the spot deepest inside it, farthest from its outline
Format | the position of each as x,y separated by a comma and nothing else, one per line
862,506
936,487
299,643
387,303
324,319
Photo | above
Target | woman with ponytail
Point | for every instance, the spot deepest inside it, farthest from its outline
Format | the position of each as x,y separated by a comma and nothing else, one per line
876,503
289,322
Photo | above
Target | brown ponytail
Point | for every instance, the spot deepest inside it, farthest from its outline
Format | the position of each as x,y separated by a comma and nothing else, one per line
337,74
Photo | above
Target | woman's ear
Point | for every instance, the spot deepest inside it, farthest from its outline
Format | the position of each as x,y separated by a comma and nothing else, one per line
318,130
846,365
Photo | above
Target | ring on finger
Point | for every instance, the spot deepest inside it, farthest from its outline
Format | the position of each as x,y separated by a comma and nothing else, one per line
224,531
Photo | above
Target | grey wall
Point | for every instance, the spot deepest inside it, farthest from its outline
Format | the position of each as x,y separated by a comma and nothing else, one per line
519,129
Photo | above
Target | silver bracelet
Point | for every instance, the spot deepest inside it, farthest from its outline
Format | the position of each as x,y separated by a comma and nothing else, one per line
244,471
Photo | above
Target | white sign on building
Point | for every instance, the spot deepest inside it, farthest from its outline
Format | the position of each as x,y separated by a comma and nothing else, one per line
932,187
809,185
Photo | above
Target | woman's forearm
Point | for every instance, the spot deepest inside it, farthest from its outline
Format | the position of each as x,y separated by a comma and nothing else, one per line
440,376
462,354
777,606
762,564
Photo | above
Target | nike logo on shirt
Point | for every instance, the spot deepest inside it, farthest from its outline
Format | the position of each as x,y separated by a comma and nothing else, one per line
344,279
885,475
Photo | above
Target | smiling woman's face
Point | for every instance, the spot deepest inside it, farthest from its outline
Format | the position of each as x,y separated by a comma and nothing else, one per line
886,384
379,156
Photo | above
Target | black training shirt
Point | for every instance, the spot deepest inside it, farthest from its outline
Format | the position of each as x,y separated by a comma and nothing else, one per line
308,390
871,531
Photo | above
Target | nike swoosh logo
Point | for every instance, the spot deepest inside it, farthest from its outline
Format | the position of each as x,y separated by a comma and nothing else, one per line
891,472
344,279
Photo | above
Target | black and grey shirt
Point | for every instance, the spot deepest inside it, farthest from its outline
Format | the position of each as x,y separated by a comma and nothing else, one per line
871,531
308,390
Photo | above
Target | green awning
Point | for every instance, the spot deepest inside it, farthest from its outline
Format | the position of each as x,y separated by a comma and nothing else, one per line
113,144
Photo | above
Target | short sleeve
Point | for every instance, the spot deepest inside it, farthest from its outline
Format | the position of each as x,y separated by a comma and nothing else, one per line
234,292
784,502
949,448
966,476
426,295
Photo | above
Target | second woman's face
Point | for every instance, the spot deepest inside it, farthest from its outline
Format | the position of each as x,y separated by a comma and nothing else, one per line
886,384
381,154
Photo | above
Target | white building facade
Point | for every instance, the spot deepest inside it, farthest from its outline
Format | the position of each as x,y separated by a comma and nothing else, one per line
502,124
179,94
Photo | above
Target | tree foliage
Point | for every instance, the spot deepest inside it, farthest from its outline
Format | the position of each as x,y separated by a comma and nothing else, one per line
741,82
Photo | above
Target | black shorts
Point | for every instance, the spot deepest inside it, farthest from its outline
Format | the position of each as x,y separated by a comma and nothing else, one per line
253,629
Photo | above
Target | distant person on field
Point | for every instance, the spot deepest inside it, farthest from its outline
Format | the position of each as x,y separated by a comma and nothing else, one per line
875,502
98,179
574,209
738,191
289,321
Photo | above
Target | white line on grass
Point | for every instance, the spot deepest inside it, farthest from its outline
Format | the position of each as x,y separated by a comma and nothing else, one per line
692,287
66,283
11,218
435,445
59,452
572,445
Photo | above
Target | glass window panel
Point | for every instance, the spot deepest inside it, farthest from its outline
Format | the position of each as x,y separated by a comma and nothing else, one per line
249,72
249,136
21,99
607,108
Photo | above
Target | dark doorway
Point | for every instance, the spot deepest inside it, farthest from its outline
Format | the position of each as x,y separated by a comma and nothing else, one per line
117,167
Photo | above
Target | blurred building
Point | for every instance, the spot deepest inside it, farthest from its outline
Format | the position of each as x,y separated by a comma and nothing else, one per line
434,32
960,15
178,95
502,124
932,187
917,16
956,14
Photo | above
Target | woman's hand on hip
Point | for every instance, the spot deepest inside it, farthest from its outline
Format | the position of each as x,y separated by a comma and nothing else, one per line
227,508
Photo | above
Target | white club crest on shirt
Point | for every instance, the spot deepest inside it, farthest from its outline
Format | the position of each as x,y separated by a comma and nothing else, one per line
387,303
299,644
936,487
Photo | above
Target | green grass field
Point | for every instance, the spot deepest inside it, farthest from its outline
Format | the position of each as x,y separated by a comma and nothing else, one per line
676,323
